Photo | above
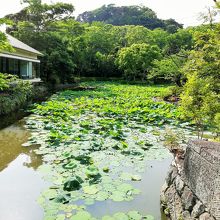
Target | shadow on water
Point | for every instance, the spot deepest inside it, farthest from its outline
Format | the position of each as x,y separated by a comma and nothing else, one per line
20,183
12,118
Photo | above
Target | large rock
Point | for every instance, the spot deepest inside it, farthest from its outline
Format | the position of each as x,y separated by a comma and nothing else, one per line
179,185
188,199
202,173
174,203
198,209
187,216
206,216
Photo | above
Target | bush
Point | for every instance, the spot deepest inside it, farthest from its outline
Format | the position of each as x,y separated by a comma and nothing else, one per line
15,93
5,80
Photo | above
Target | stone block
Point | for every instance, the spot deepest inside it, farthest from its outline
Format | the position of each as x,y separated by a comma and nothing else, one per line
179,185
206,216
202,173
186,215
198,209
174,203
188,199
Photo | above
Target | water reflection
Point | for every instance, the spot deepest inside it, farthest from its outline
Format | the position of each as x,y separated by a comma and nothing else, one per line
20,183
11,140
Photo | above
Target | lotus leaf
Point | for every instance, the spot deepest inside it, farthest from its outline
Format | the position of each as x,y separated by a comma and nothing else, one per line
91,190
102,195
73,184
120,216
60,217
125,187
136,178
63,198
105,169
70,165
117,196
134,215
107,127
92,171
81,215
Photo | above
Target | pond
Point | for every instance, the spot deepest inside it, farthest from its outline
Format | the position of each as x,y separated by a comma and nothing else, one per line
88,155
21,183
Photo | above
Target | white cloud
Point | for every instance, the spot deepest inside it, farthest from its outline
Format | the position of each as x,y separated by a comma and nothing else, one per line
184,11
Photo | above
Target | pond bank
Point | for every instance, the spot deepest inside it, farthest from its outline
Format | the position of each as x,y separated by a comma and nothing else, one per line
13,106
192,190
20,95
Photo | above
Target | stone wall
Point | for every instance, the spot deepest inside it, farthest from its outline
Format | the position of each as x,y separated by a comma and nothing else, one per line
192,187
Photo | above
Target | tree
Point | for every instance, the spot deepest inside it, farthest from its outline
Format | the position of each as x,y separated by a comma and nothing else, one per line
168,69
137,60
137,35
4,44
50,29
201,94
128,15
199,102
181,40
41,15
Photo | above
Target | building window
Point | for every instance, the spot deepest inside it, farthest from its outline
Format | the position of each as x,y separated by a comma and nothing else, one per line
3,64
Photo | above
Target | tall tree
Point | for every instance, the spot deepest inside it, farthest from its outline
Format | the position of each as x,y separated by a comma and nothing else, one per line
128,15
136,61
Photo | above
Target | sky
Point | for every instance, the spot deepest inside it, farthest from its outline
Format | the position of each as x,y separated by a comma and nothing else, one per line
183,11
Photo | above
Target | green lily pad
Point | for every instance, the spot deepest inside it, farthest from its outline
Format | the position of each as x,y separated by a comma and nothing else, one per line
125,187
134,215
92,171
70,165
81,215
91,190
62,198
117,196
126,176
60,217
108,187
136,178
105,169
73,184
102,195
120,216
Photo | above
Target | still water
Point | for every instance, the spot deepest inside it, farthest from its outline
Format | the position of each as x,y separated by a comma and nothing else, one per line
21,183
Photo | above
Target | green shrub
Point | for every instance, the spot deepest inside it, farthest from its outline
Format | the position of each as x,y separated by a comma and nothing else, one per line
15,93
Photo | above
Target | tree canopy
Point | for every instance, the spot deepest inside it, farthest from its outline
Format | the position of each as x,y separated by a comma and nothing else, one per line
129,15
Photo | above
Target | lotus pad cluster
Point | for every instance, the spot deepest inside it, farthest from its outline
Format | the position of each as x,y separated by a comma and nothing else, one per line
96,144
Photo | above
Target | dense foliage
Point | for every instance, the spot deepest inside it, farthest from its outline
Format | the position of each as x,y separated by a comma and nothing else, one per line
129,15
135,51
201,96
137,59
4,44
73,49
14,93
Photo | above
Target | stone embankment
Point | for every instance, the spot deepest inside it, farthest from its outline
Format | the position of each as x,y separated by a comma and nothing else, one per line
192,187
